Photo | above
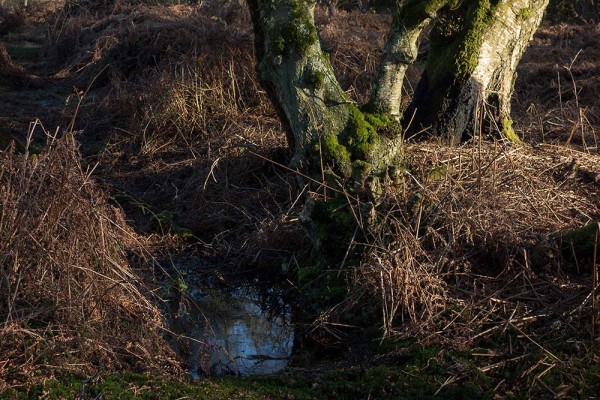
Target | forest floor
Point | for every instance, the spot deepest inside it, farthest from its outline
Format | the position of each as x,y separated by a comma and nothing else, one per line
177,146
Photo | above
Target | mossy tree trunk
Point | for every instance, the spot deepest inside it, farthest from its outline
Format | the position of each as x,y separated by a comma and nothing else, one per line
326,131
471,67
475,47
401,49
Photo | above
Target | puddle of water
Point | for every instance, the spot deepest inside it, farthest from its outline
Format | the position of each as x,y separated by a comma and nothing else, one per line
24,52
239,332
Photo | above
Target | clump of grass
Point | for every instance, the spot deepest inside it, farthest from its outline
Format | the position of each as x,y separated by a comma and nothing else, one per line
69,301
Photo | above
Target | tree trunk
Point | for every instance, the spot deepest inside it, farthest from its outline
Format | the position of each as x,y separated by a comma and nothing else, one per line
475,47
326,131
401,49
471,67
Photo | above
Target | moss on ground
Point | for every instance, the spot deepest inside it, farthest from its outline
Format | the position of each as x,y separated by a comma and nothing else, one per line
417,380
405,371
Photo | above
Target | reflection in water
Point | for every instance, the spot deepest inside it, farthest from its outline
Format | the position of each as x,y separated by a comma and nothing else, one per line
237,333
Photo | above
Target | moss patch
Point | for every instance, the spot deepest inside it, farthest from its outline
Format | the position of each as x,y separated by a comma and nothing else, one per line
316,78
524,14
509,132
296,34
336,153
353,151
360,135
479,18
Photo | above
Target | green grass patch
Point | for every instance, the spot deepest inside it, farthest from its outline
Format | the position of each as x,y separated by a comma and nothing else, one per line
355,383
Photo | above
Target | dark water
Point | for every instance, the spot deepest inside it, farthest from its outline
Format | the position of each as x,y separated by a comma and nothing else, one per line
238,331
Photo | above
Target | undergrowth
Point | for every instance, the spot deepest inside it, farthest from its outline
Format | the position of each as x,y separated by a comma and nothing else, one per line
69,300
186,141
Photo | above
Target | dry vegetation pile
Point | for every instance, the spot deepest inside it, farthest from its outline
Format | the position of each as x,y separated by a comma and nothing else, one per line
178,84
69,300
131,41
464,245
15,19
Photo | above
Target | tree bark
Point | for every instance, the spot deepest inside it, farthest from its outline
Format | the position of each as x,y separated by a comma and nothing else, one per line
401,49
475,47
326,130
471,67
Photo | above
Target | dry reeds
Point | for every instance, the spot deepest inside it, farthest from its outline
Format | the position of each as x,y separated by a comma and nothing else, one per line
472,215
69,302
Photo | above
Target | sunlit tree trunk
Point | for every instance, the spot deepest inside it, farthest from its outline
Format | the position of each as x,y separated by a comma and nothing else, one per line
475,47
326,130
401,49
471,67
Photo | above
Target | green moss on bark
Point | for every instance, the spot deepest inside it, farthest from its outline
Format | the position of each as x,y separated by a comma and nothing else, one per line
353,152
360,136
479,18
336,153
297,34
456,41
314,78
524,14
509,132
361,170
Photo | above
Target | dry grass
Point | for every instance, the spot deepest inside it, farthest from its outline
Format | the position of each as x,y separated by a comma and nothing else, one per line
556,92
457,238
69,301
195,134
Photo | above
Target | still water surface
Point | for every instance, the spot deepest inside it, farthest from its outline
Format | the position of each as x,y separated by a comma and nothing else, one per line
237,332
